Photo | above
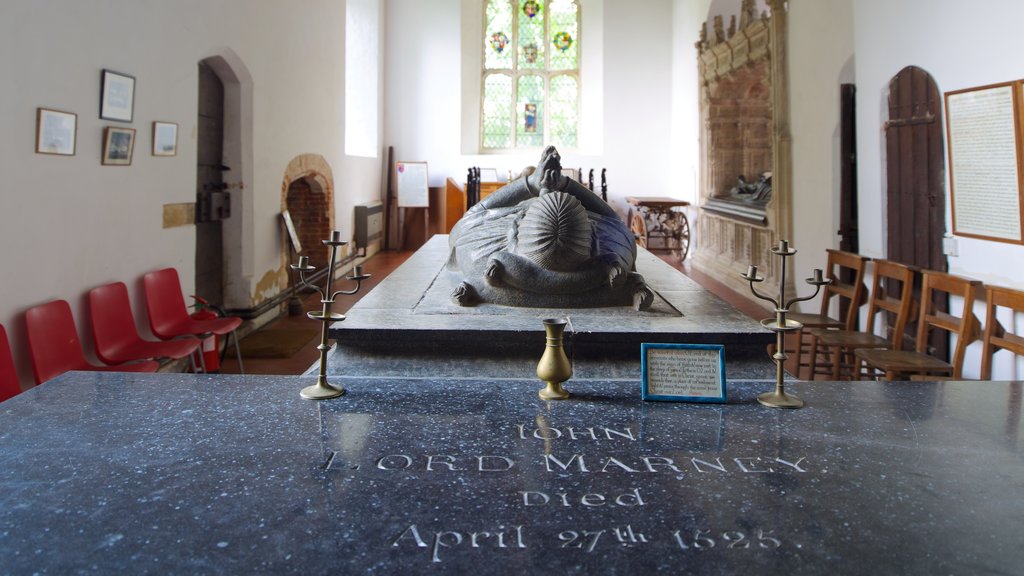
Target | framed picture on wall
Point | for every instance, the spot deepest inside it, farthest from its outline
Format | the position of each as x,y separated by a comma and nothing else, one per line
56,132
117,96
117,146
165,139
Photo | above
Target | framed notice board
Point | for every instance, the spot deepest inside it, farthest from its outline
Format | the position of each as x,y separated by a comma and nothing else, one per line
411,182
682,372
986,165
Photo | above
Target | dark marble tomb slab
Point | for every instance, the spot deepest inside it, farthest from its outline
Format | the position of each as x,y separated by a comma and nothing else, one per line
123,473
411,310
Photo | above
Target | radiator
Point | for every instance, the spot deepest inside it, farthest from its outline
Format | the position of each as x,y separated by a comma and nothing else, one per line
369,223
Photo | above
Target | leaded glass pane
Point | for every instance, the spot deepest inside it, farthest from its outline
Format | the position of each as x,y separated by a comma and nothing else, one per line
530,111
564,113
497,113
498,47
531,35
564,30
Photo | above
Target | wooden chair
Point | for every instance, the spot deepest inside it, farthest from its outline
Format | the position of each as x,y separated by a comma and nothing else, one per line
54,346
117,340
996,337
900,364
838,345
9,385
839,266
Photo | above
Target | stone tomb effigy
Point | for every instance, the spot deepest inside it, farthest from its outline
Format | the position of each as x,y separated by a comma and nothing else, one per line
408,325
179,474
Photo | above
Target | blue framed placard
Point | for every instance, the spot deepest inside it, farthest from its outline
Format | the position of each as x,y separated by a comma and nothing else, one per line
683,372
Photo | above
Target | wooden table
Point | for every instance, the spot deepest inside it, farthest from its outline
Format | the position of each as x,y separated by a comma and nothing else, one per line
656,218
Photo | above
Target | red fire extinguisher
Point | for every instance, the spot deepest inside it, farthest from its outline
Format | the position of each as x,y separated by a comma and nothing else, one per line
210,348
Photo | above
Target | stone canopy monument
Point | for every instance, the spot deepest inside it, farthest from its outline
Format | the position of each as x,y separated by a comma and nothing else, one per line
544,240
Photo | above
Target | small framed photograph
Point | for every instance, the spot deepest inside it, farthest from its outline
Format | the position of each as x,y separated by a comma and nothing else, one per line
117,146
165,139
117,96
683,372
56,132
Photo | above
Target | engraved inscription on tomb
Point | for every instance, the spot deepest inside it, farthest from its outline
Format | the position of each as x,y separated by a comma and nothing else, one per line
551,470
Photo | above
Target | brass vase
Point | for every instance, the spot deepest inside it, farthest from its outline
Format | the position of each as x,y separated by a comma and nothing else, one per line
554,366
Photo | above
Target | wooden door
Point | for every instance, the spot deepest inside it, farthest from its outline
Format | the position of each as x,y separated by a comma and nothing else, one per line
916,197
209,256
915,168
849,234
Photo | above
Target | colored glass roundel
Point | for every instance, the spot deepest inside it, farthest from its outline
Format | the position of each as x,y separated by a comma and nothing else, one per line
530,53
499,41
562,41
531,8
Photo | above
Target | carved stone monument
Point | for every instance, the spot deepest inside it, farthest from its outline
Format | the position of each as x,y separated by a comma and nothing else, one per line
545,240
745,133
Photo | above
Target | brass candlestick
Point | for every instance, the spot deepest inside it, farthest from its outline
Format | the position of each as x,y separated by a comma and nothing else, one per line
780,325
322,390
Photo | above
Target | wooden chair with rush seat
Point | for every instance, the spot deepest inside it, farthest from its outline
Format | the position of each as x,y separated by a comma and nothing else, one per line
837,346
904,364
852,294
54,346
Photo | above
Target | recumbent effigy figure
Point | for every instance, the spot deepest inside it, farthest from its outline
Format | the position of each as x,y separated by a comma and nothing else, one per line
544,240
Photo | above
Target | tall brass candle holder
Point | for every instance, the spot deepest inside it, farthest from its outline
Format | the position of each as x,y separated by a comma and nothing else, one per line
322,390
780,324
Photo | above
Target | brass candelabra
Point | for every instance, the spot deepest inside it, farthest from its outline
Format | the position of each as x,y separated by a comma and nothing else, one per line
322,390
781,325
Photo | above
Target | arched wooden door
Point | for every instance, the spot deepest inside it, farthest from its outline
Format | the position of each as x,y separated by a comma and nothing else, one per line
915,168
916,197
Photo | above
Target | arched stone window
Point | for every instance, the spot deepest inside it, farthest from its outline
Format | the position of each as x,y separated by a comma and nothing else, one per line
530,92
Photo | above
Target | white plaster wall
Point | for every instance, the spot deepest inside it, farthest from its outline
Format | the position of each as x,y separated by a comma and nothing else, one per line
71,224
687,16
626,98
820,47
961,45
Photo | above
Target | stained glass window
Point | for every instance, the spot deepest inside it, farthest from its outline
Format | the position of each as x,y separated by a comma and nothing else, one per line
531,74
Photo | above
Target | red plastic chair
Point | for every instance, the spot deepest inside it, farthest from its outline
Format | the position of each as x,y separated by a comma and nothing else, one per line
9,385
168,317
54,346
117,340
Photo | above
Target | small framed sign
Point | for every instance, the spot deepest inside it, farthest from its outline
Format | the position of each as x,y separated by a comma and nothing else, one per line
411,178
165,138
117,96
55,132
683,372
292,234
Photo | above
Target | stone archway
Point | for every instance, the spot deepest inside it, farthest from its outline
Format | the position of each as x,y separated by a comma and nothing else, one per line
307,192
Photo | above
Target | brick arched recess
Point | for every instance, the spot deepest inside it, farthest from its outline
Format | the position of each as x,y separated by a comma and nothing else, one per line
307,192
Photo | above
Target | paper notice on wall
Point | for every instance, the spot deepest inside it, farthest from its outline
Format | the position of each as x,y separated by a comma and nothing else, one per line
984,169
